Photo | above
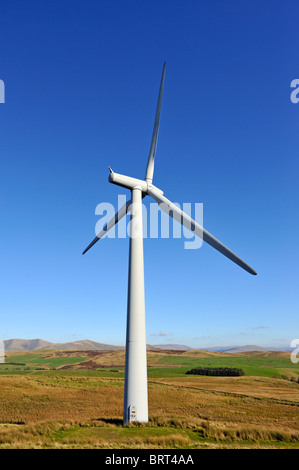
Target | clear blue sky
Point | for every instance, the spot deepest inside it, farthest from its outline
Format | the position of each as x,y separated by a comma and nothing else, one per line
81,81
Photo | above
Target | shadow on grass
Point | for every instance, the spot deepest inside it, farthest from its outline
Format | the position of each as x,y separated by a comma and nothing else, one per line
115,421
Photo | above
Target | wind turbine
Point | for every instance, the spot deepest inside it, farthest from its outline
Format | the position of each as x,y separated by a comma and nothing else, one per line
135,393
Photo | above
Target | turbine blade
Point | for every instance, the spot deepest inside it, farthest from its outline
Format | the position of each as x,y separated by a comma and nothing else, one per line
151,158
173,211
119,215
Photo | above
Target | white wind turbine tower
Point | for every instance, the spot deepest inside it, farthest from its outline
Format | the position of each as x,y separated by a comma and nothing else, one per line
135,393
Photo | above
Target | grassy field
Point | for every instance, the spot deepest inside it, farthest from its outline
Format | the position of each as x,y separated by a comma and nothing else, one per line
53,399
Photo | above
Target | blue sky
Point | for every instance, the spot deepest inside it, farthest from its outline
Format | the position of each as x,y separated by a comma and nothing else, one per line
81,84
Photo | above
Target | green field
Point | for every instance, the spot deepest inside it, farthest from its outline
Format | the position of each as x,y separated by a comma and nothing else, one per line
166,366
252,366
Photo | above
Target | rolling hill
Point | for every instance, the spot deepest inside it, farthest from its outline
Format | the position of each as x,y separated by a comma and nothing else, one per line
17,344
40,344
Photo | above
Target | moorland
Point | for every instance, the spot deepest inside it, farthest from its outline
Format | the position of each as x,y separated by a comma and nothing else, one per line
74,399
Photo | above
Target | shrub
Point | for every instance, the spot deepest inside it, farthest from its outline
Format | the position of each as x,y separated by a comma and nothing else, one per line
218,371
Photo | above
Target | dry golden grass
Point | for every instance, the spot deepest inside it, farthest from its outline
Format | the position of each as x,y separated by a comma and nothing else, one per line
49,411
229,407
258,387
32,399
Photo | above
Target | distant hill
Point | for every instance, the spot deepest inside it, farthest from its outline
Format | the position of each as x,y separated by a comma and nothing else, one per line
26,344
173,347
246,348
88,345
83,345
40,344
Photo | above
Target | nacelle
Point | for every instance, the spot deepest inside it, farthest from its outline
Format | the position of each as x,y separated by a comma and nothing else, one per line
127,181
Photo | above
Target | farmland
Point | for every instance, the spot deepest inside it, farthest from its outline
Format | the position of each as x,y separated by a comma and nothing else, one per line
73,399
